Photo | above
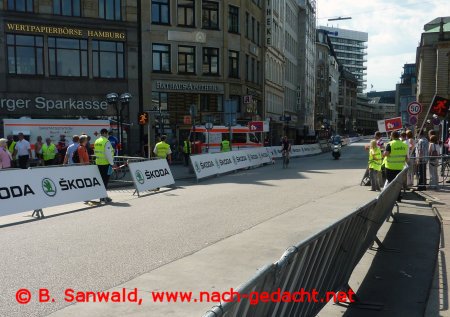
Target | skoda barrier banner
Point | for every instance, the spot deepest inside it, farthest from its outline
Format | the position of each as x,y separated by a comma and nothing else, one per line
26,190
298,150
204,165
151,174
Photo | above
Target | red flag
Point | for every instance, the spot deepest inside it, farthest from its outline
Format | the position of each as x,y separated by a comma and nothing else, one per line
440,106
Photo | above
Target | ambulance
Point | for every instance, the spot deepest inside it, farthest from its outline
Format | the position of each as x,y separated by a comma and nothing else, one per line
209,140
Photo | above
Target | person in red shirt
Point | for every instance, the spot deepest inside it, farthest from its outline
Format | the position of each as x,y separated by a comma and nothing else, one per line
82,150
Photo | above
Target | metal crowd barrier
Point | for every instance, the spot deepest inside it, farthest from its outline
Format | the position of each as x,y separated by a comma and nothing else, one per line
323,262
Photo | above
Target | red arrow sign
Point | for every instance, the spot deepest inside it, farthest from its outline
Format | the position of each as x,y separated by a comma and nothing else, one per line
256,126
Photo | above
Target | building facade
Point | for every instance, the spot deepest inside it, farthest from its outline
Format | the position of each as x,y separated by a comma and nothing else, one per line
351,50
201,54
348,85
322,112
62,57
405,92
433,63
333,90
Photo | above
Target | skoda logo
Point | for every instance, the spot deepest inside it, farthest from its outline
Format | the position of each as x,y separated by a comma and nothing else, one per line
217,163
139,177
249,157
197,167
49,187
234,160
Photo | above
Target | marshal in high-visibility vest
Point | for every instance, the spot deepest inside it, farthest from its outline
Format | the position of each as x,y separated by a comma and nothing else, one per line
12,147
397,155
48,151
187,147
99,151
225,146
162,149
375,159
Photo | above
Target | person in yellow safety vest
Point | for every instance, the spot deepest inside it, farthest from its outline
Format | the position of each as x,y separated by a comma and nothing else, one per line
49,152
11,145
162,150
225,145
104,159
396,155
375,166
186,151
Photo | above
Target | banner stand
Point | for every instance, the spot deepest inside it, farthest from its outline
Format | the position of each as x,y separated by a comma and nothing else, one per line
150,175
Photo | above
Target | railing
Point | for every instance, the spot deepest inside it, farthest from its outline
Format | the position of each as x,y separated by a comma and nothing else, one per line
323,262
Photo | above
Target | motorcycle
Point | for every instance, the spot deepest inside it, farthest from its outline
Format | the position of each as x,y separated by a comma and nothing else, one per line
336,150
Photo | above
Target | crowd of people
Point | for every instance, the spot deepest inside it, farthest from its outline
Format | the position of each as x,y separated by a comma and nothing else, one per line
421,155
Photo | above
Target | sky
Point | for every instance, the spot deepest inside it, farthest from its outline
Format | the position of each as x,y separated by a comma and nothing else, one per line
394,28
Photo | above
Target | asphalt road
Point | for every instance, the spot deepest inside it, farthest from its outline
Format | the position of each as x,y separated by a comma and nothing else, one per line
96,249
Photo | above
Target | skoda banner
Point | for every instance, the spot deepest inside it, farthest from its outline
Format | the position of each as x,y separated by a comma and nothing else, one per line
26,190
151,174
204,165
298,150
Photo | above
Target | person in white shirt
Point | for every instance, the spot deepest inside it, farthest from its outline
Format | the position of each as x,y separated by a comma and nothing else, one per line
71,149
23,151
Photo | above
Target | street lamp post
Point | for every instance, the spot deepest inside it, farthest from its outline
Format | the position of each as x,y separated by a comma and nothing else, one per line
124,100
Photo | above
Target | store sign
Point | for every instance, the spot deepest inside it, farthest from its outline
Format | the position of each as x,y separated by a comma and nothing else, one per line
26,190
269,21
65,31
41,103
180,86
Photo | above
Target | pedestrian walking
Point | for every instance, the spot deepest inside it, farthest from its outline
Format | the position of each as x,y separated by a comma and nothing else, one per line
23,151
186,151
82,150
49,152
104,159
433,149
375,166
396,154
5,156
421,160
162,150
68,158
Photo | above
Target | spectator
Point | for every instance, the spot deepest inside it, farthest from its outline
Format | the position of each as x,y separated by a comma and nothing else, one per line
433,149
421,159
88,146
62,148
5,156
71,149
11,145
411,162
38,149
49,152
82,150
114,142
23,151
380,142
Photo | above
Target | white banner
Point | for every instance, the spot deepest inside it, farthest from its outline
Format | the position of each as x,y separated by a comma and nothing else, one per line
204,165
151,174
298,150
26,190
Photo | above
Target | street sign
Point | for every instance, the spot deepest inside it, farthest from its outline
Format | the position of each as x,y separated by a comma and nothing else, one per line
393,124
256,126
413,120
248,99
414,108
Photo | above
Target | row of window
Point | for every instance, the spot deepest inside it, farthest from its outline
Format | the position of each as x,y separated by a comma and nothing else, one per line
252,29
107,9
161,56
66,57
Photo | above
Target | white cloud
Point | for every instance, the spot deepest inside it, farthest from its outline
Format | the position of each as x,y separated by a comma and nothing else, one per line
394,31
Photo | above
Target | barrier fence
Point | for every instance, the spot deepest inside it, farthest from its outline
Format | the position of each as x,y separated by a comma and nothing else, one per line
324,262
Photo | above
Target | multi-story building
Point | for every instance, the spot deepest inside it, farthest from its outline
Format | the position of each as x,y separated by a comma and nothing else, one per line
307,66
351,50
275,68
202,53
405,92
322,112
347,102
366,115
433,63
60,58
333,89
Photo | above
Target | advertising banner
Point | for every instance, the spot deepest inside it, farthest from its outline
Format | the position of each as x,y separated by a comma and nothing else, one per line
26,190
150,174
298,150
204,165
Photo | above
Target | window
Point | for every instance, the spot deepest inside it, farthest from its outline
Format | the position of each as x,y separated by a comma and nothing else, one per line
108,59
233,19
160,12
258,73
247,67
25,54
161,58
252,71
186,59
247,24
253,29
233,64
67,7
237,100
210,15
21,5
110,9
210,61
67,57
186,13
258,36
159,100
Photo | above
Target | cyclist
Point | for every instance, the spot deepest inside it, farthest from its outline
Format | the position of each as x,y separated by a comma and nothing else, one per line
285,150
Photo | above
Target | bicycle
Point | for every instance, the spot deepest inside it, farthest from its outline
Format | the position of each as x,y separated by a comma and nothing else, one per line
119,171
444,167
285,158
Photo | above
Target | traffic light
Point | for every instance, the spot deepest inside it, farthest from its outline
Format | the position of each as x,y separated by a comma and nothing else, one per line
143,118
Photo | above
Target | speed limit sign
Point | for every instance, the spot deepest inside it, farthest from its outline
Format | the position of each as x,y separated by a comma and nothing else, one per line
414,108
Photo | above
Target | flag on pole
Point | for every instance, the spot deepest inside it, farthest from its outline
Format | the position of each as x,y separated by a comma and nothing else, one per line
439,106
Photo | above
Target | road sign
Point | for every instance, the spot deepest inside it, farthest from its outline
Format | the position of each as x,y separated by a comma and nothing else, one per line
413,120
393,124
256,126
414,108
